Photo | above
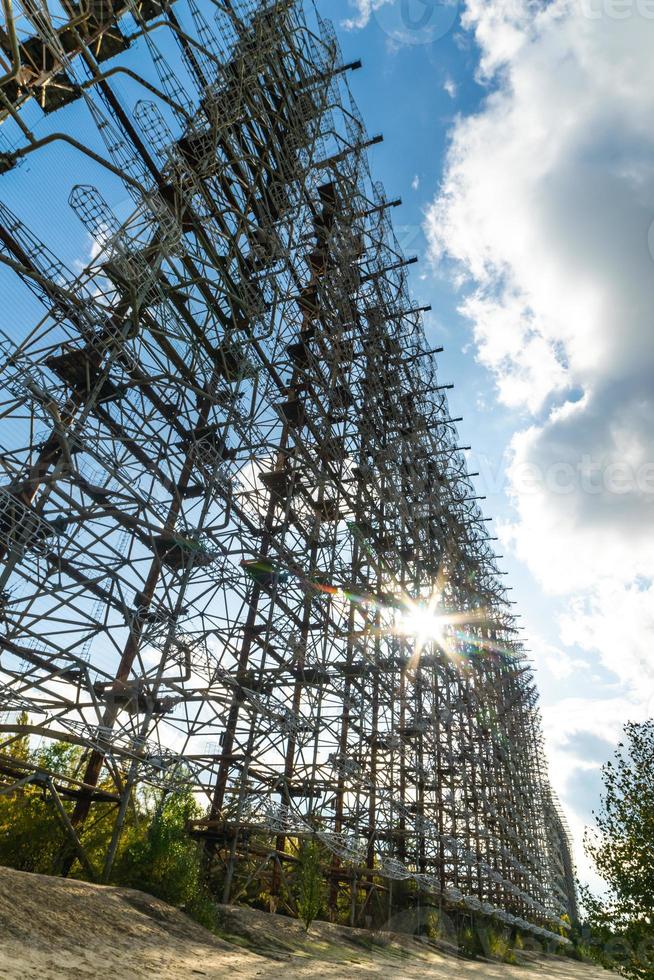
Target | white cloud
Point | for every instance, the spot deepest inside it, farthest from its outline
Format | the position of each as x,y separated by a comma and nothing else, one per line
415,183
525,364
544,214
618,622
450,87
547,198
560,663
545,217
364,11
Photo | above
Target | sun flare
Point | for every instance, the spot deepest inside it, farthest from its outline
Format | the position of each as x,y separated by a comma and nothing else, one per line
422,621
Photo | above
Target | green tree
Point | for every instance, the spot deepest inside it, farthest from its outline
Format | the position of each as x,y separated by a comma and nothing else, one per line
31,834
163,860
623,851
310,891
155,855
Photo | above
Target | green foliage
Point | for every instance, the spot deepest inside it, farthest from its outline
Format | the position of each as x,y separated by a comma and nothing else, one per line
164,861
579,951
156,854
431,925
469,944
499,947
31,834
622,923
476,937
310,891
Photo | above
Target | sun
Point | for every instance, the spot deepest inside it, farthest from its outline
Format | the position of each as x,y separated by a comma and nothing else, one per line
424,624
422,621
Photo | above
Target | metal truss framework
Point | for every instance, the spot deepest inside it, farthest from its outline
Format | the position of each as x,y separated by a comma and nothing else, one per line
242,551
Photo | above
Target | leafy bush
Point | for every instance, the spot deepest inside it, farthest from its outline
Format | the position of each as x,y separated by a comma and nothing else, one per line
309,885
31,834
156,855
469,944
499,948
164,861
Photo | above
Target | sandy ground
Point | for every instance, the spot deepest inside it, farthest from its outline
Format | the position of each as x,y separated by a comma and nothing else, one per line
51,929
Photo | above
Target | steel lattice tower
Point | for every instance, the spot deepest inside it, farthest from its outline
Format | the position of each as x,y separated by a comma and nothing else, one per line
231,485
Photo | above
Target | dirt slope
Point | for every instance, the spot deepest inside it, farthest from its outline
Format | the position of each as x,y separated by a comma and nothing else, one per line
51,929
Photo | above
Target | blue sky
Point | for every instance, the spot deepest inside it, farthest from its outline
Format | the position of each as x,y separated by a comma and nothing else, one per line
515,134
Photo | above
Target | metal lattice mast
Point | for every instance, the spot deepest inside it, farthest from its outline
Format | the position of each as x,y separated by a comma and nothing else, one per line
230,475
